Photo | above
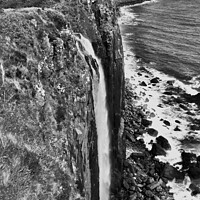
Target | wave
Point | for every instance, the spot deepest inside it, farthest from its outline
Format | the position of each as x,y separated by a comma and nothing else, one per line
144,3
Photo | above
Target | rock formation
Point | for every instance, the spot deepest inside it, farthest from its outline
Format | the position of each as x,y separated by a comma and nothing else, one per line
48,134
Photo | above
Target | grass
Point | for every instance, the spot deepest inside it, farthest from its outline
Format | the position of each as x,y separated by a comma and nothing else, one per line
42,93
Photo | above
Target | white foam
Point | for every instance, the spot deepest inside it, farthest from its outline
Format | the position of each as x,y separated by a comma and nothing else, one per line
144,3
126,16
180,191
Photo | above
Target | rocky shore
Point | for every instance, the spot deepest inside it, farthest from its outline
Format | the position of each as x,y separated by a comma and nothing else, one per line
143,176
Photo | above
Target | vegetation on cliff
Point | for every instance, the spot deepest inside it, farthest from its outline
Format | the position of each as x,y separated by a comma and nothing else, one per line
45,91
48,135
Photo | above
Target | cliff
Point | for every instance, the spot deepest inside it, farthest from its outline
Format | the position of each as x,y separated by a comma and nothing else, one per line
48,134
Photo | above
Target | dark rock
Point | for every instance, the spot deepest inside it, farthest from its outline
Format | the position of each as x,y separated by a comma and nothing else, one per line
146,122
171,172
194,127
152,132
155,80
157,150
143,84
167,93
183,107
192,98
160,105
139,74
167,123
195,189
163,142
143,69
177,129
196,99
177,121
146,100
138,154
190,113
198,161
179,100
170,82
187,160
194,172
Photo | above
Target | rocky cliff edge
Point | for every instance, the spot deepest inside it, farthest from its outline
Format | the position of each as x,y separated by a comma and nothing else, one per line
48,136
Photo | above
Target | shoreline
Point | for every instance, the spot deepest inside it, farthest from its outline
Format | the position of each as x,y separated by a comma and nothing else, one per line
135,131
143,176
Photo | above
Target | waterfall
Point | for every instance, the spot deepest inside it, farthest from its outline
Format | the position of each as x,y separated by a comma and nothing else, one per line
102,124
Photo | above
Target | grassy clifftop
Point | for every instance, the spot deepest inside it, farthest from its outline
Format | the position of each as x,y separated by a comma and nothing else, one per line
26,3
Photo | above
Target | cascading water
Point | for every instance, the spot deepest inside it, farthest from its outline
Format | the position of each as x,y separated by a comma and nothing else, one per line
102,124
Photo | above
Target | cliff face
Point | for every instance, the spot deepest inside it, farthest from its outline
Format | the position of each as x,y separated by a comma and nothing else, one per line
48,134
113,66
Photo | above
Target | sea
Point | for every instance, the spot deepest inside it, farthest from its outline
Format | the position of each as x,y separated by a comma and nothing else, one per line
163,36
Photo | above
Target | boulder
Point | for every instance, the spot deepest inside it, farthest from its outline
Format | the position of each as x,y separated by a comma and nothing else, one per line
196,99
177,129
187,159
167,123
170,82
143,83
192,98
146,122
157,150
137,154
167,93
155,80
194,127
171,172
195,189
143,69
198,161
152,132
163,142
194,172
184,107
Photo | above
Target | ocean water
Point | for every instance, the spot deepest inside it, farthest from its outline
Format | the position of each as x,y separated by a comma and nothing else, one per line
167,33
164,37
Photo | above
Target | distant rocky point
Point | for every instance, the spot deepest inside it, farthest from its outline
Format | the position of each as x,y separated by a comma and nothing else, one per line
129,2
